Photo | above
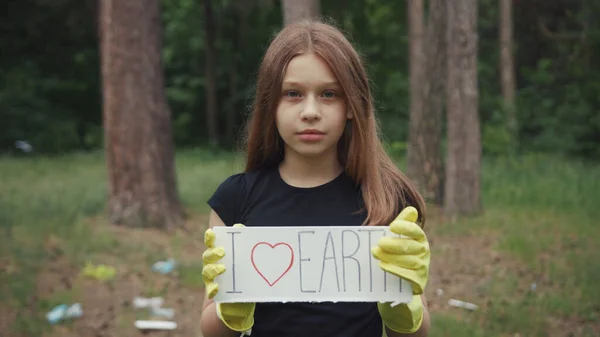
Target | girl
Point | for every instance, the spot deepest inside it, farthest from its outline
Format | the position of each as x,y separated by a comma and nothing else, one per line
314,159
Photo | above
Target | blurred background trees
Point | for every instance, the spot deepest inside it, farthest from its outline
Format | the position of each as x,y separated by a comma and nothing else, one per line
294,10
137,118
463,159
427,68
50,75
531,68
50,70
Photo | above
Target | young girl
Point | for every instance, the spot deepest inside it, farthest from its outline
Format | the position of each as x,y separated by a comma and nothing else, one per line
314,158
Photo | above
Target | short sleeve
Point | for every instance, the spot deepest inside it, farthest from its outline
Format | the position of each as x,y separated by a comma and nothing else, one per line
226,199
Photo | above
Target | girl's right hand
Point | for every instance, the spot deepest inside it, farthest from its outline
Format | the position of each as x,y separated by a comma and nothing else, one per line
211,269
236,316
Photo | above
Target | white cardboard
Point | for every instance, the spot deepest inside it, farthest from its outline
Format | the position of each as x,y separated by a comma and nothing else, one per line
305,264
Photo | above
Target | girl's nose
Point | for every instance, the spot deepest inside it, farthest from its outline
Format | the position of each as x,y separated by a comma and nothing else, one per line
310,111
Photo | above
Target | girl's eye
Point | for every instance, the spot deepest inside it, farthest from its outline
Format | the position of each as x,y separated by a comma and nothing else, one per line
292,94
329,94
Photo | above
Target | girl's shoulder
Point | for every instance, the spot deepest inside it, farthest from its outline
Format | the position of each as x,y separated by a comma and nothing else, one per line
239,182
229,198
236,187
233,181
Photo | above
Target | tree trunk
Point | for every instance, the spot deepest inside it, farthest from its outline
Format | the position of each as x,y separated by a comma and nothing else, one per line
427,67
507,67
238,10
294,10
211,82
231,110
463,166
142,187
416,138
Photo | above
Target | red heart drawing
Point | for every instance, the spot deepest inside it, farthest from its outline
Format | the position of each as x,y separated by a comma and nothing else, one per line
273,247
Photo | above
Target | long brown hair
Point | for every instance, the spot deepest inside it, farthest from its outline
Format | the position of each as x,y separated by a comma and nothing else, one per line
360,150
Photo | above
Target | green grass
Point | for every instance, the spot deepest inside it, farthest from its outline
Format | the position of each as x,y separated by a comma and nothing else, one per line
43,197
544,209
191,275
448,326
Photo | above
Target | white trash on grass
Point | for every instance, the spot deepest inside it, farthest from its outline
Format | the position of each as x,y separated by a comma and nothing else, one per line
460,304
155,325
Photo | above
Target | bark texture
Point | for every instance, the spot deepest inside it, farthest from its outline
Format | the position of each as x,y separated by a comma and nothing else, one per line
507,67
239,13
294,10
142,187
463,165
428,70
211,83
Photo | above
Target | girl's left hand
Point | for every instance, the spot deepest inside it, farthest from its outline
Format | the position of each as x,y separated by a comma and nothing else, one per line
408,256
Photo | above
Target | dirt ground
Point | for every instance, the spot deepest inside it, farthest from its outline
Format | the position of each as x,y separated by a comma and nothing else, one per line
462,268
107,306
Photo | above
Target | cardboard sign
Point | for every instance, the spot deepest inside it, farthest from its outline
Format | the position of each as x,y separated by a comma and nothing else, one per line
305,264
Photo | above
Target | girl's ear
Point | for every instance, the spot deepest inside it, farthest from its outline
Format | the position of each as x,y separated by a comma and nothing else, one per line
349,114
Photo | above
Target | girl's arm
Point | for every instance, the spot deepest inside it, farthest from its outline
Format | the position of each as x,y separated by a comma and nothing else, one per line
210,324
423,330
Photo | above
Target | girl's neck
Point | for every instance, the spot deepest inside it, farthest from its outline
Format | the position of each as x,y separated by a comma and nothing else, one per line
306,172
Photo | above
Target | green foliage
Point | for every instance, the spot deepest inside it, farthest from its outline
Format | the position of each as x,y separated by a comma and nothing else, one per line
496,139
50,78
570,123
396,150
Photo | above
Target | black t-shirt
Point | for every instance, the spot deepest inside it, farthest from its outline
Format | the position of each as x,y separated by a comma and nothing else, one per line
264,199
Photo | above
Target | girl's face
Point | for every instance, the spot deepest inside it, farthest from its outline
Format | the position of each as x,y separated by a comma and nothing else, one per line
312,112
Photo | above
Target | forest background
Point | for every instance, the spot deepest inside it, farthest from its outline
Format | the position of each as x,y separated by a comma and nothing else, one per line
510,170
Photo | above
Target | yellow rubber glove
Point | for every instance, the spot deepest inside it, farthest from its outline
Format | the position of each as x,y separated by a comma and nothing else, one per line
236,316
406,257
